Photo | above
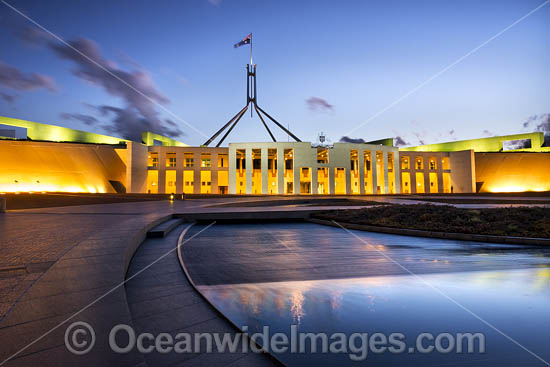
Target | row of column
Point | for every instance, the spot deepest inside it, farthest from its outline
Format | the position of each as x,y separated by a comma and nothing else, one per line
314,176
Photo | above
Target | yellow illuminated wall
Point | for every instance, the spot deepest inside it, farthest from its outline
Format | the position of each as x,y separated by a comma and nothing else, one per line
223,182
420,183
406,182
152,182
206,182
170,182
188,182
340,181
433,183
59,167
305,180
512,172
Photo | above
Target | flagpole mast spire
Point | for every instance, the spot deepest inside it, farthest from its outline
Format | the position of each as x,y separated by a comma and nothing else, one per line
251,61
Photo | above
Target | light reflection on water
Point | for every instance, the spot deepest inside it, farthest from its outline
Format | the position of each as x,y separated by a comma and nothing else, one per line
517,302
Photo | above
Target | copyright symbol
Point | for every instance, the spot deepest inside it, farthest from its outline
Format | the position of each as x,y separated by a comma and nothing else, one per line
79,338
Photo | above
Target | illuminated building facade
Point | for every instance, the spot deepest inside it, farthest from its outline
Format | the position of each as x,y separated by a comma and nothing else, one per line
38,157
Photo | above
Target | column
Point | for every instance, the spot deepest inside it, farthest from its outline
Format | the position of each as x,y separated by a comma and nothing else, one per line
331,180
427,188
265,171
232,171
397,172
197,172
348,178
214,173
413,176
439,163
296,183
361,167
385,162
162,171
374,170
280,171
314,180
179,171
248,159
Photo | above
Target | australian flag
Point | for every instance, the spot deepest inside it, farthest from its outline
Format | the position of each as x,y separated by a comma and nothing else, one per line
245,41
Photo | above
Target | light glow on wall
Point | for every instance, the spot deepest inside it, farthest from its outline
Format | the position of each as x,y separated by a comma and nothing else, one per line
518,188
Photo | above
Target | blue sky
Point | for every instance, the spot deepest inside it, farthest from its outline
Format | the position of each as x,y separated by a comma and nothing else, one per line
358,56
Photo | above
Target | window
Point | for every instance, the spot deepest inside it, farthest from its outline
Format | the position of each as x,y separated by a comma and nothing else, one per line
171,160
445,163
404,162
222,160
153,159
189,161
322,155
205,159
419,163
433,164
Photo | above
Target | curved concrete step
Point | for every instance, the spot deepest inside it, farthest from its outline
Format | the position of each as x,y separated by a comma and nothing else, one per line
163,229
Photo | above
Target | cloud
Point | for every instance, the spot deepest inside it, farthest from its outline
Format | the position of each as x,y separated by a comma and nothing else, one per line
487,133
8,98
540,123
14,78
215,2
318,104
33,35
400,142
87,119
136,89
347,139
129,124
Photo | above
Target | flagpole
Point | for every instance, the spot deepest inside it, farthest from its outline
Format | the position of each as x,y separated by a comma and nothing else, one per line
251,67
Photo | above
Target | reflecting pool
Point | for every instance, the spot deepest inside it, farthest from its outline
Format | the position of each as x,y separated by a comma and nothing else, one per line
516,303
324,280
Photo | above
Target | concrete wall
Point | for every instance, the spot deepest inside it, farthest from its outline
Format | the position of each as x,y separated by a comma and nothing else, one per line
463,175
136,168
180,163
513,172
62,167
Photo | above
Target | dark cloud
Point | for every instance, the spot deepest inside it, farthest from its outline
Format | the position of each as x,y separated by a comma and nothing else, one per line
135,88
347,139
14,78
540,123
33,35
318,104
530,120
400,142
8,98
87,119
129,124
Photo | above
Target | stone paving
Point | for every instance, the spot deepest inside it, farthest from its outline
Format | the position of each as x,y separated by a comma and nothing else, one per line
161,299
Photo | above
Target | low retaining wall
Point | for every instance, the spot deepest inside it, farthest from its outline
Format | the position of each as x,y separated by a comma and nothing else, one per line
442,235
